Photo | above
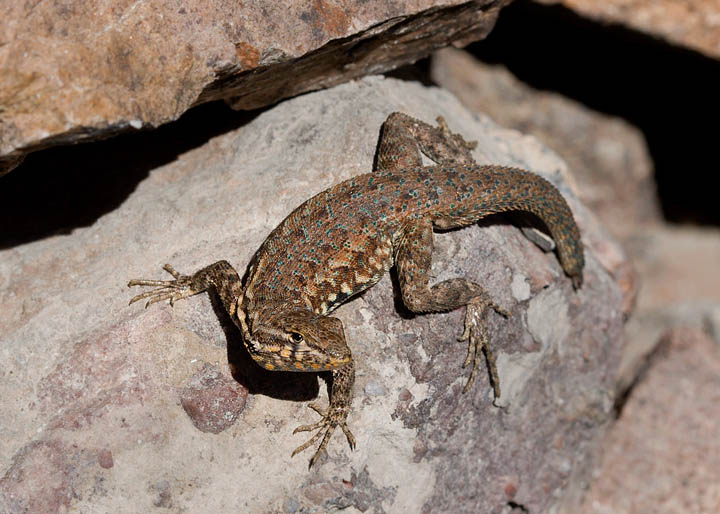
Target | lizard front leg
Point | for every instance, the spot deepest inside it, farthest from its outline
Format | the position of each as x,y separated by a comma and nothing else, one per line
220,276
335,415
413,258
299,340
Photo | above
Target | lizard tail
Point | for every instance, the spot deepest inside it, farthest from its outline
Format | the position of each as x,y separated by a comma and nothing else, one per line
504,189
532,193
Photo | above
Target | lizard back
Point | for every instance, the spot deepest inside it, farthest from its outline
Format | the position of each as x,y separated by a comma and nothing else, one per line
340,242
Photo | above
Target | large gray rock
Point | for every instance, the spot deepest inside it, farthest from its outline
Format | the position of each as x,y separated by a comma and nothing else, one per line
108,408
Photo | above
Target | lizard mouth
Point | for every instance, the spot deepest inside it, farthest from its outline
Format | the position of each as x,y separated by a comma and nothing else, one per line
340,361
305,362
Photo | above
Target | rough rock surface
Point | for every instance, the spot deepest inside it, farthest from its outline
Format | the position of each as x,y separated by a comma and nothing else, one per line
668,435
93,416
75,71
690,23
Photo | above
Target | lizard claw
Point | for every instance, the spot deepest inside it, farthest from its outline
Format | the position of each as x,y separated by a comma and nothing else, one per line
331,418
172,290
475,332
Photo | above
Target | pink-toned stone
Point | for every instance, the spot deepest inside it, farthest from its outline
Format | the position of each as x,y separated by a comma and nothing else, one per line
105,459
76,71
213,400
39,480
678,264
691,23
663,455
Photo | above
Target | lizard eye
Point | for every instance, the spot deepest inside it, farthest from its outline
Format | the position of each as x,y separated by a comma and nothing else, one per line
296,338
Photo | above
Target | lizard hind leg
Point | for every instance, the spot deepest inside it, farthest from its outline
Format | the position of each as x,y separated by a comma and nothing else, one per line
476,334
404,137
413,261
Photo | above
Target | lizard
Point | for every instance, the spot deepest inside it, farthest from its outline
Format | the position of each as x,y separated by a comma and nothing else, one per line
344,239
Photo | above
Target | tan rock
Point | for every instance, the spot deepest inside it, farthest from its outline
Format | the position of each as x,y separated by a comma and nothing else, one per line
694,24
677,267
77,71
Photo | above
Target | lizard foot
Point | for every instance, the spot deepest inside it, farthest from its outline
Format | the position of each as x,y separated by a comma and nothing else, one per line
172,290
454,139
331,418
478,342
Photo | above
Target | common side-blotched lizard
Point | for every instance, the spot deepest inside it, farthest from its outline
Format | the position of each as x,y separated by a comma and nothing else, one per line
341,241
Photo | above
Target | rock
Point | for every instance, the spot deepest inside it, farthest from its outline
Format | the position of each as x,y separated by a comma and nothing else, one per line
668,435
213,401
691,23
676,266
95,387
79,71
682,263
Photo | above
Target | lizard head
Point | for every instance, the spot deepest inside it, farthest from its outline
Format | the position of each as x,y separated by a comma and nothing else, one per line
299,341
